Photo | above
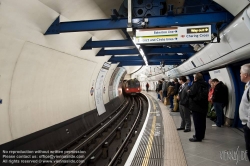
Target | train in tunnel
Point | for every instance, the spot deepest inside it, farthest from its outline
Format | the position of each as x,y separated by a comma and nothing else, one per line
131,87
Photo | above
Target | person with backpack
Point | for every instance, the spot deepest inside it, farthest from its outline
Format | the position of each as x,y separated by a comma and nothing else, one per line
198,104
183,105
219,99
244,110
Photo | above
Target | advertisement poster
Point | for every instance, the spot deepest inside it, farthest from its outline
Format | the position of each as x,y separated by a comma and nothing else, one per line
99,85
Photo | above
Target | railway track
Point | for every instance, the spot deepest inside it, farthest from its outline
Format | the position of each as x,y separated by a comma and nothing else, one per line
105,143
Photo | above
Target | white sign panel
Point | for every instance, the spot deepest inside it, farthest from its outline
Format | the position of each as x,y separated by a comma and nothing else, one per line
157,32
179,34
99,89
116,82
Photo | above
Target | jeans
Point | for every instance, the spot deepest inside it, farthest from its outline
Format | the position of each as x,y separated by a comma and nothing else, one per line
171,98
158,96
218,107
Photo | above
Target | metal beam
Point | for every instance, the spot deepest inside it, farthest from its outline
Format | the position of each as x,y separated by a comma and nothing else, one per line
154,50
125,58
166,63
156,58
135,63
167,58
160,21
107,43
103,52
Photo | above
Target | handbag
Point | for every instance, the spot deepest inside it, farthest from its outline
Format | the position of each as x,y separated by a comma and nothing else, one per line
166,101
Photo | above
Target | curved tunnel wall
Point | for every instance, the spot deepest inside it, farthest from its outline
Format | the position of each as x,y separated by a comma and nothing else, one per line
46,80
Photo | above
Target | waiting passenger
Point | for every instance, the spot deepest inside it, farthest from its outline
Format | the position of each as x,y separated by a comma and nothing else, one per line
147,86
219,99
176,91
188,81
164,89
244,109
159,90
183,106
170,95
198,104
210,95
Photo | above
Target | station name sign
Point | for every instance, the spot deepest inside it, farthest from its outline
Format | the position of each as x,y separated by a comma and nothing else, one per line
173,34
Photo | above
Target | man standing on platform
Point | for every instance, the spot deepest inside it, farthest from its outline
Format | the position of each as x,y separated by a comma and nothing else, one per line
219,99
244,109
147,86
198,104
183,106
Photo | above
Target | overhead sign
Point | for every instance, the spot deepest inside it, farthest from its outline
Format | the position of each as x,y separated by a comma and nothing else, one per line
176,34
157,32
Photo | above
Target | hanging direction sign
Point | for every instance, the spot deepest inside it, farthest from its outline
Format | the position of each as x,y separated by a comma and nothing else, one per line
176,34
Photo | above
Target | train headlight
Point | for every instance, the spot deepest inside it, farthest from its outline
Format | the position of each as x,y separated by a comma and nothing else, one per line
138,88
127,89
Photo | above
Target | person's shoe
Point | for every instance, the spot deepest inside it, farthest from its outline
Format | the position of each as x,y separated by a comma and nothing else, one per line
180,128
195,137
194,140
187,130
214,125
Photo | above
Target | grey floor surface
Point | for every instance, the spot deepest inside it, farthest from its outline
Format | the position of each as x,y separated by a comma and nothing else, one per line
221,146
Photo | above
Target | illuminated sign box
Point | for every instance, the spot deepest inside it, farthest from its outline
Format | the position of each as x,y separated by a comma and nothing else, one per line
175,34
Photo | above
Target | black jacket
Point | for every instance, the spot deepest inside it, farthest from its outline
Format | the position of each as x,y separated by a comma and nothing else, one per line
220,94
201,106
159,88
176,88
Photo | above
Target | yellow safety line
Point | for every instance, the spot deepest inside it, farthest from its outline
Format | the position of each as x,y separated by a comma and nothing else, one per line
149,146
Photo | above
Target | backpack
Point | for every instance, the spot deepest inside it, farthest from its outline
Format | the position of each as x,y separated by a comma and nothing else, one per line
202,95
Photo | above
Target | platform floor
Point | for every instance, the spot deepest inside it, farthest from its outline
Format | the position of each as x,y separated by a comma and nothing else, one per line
221,146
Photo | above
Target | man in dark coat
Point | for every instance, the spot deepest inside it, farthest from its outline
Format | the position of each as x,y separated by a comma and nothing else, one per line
183,105
219,99
198,103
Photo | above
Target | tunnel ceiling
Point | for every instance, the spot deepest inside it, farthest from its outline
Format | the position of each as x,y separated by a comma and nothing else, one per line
160,14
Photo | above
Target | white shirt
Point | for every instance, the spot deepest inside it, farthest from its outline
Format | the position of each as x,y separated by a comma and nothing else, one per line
244,110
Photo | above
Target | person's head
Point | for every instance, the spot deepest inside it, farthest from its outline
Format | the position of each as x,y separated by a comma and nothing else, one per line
210,81
215,81
163,79
245,73
212,85
198,76
183,79
176,80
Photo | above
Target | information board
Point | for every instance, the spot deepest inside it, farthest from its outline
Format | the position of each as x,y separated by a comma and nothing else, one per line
173,34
